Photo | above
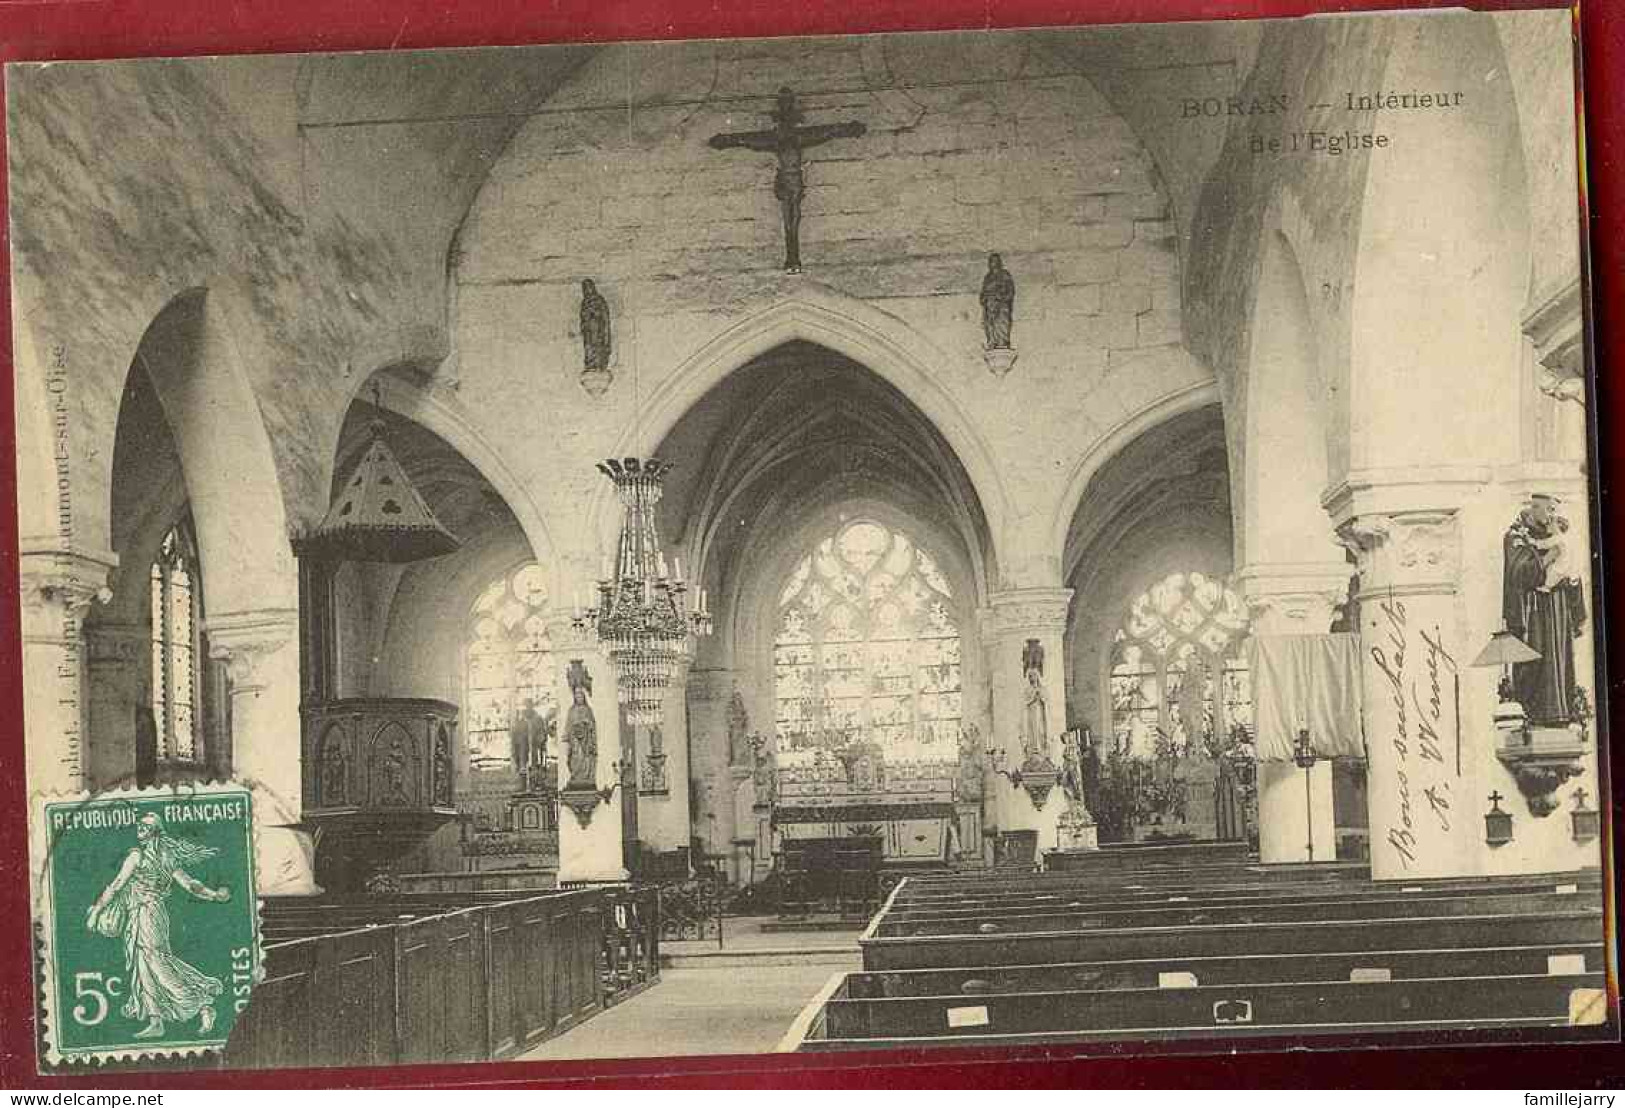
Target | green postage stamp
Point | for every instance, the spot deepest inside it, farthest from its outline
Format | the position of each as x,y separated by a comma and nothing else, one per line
151,935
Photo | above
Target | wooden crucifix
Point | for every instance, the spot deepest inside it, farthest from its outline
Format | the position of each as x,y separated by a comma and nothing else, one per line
787,140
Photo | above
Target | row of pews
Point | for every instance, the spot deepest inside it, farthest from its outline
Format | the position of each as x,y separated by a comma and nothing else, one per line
1147,948
430,977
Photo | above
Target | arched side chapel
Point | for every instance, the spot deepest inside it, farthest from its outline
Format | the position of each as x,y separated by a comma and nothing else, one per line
1226,369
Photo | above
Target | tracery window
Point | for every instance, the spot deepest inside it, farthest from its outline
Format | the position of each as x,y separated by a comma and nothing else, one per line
177,650
1179,683
868,649
509,664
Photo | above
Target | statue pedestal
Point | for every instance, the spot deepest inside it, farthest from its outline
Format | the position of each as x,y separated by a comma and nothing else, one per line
1075,831
1000,361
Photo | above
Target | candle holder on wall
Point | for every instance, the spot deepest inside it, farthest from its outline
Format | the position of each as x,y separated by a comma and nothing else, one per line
1037,775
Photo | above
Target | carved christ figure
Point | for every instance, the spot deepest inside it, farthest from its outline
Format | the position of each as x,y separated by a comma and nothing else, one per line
787,140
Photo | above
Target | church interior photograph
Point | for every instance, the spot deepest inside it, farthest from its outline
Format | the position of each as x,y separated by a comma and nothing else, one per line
1070,536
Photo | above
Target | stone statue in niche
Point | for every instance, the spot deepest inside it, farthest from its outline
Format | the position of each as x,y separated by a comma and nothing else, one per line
1542,603
596,345
739,752
998,304
765,775
595,339
971,767
1035,715
581,730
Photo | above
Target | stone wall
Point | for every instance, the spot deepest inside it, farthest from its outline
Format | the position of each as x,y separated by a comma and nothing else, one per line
684,241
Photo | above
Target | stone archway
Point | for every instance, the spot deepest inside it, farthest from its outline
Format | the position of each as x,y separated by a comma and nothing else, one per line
880,342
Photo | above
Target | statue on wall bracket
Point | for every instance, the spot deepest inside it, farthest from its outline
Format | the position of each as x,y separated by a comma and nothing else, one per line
596,345
998,315
1039,773
581,795
1543,721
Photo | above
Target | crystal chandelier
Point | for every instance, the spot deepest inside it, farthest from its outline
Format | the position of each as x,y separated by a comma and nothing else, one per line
642,618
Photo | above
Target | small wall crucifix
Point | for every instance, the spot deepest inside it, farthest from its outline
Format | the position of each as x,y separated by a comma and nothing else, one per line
787,140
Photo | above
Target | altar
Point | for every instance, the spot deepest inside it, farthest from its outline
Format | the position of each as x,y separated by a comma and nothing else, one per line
856,793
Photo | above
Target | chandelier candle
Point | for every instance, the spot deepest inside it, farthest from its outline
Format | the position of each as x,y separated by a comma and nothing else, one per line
642,618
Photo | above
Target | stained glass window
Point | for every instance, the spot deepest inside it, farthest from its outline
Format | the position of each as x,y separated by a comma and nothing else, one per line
177,648
868,649
509,664
1179,683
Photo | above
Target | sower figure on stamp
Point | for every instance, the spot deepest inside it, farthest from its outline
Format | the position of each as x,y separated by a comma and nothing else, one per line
162,986
787,140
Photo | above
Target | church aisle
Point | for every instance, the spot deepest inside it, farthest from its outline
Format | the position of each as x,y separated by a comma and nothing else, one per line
727,1010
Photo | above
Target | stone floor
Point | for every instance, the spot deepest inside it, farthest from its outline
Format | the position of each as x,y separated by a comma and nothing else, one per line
737,1000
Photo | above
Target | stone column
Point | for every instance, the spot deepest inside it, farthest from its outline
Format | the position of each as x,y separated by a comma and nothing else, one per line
708,693
120,685
58,587
1012,617
1423,819
1295,823
590,846
261,651
663,816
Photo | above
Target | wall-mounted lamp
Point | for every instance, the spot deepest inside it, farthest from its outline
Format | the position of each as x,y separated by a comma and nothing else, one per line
1497,824
1506,650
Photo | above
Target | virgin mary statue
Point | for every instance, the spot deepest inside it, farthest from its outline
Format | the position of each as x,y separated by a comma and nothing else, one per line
161,986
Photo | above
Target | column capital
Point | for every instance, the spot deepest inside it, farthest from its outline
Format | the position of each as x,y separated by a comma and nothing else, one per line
1556,327
1016,612
243,640
1293,597
1417,550
61,583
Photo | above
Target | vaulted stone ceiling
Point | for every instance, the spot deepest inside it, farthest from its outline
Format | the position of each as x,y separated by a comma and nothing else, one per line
398,144
798,429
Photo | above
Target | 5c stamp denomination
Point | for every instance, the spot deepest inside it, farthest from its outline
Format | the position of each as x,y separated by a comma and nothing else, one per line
150,920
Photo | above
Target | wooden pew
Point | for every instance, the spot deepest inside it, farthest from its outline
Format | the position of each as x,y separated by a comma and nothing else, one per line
1299,936
1187,913
475,983
914,908
1231,969
1271,1009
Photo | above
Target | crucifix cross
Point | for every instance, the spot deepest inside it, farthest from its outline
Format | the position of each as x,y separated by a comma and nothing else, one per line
1495,800
1579,798
786,140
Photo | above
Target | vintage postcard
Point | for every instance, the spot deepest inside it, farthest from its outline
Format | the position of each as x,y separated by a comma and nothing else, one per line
1078,536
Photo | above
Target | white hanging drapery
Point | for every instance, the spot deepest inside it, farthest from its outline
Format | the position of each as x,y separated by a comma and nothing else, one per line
1308,681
